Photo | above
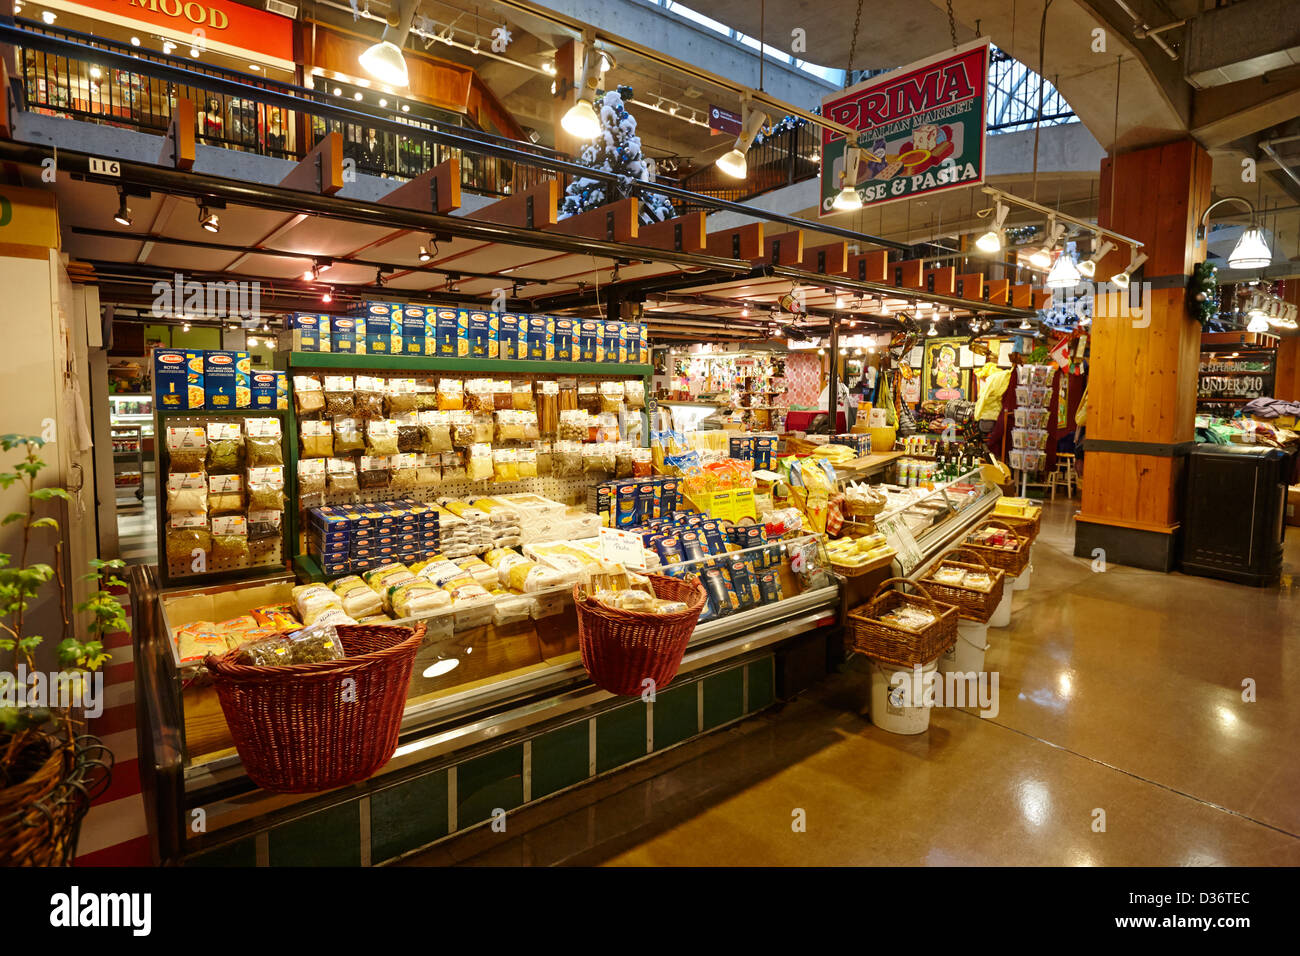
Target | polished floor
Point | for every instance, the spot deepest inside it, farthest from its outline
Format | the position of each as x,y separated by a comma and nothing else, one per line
1122,739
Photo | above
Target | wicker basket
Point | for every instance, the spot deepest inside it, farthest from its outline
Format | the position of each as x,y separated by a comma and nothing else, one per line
307,727
40,818
1011,561
1029,527
896,645
971,603
622,649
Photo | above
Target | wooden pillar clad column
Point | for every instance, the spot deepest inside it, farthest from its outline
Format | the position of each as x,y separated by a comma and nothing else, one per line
1143,369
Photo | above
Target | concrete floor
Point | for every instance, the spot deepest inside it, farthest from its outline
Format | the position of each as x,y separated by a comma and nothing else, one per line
1121,693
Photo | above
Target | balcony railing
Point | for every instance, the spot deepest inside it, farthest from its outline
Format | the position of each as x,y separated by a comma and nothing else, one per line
77,88
789,156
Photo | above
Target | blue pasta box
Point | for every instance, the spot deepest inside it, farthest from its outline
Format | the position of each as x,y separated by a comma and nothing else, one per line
383,328
565,340
178,378
308,332
510,335
347,335
634,352
765,450
588,340
267,389
541,347
226,380
481,332
450,333
610,347
415,330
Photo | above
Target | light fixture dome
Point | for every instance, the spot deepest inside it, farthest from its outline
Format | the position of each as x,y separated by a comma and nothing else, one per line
1251,251
581,120
733,164
989,242
384,61
1064,274
848,200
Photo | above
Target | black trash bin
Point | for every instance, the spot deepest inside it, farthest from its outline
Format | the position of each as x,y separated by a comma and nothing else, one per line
1233,516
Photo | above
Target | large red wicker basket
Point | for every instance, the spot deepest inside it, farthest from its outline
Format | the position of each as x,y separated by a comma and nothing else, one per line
623,649
307,727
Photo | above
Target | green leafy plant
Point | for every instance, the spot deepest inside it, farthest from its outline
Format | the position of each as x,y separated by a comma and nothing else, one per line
25,731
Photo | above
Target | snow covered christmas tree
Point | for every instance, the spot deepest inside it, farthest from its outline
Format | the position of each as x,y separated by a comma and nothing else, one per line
616,150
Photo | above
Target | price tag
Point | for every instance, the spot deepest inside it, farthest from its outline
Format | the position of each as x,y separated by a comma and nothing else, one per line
622,547
901,539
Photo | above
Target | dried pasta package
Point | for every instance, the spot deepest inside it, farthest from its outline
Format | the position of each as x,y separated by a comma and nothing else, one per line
187,493
404,474
462,429
381,437
426,395
527,458
266,488
369,397
573,425
341,476
634,392
229,541
410,436
317,439
187,534
263,443
505,466
607,427
401,396
529,422
567,459
374,473
225,446
623,467
548,408
429,471
611,397
544,460
312,600
482,428
521,394
339,400
417,597
359,600
225,494
453,467
478,467
311,478
451,394
503,396
187,448
598,460
510,427
308,395
348,436
478,395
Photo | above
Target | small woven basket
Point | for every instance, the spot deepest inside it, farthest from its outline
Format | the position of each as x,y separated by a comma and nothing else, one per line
892,644
971,603
622,649
1013,561
306,727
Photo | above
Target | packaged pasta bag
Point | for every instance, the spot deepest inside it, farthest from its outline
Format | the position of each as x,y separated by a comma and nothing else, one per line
339,398
528,420
482,430
308,394
436,429
348,436
225,494
341,476
478,395
401,394
634,393
479,570
611,397
263,525
505,465
187,493
229,541
607,428
598,460
369,397
451,394
388,576
478,466
197,640
266,488
522,397
381,437
426,395
623,455
225,446
262,444
416,598
278,616
544,458
358,598
187,448
428,472
527,460
188,541
453,467
317,438
462,429
589,397
405,472
374,473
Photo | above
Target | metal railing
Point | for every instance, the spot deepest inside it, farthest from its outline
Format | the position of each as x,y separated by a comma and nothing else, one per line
788,156
56,84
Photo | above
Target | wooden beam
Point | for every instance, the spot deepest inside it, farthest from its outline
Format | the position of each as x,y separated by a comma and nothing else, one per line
869,266
1042,299
435,190
998,291
321,170
941,281
907,274
831,259
613,222
1021,296
743,242
785,249
970,285
683,234
534,208
178,142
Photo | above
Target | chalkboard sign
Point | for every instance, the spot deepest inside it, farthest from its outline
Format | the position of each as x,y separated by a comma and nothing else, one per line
1236,377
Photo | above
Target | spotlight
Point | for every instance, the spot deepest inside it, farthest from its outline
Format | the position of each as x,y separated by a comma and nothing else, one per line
734,163
135,41
252,343
357,96
194,52
1251,251
1088,267
123,215
1024,325
96,73
384,60
991,241
1121,279
48,17
338,91
185,327
934,330
848,199
208,219
581,120
1064,274
327,296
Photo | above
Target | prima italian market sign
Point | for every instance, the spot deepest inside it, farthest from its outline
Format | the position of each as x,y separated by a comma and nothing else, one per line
922,128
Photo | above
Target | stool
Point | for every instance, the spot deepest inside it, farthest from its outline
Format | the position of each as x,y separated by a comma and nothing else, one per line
1064,474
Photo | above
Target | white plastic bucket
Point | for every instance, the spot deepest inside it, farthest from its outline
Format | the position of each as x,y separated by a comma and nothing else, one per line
888,712
1002,616
967,654
1022,582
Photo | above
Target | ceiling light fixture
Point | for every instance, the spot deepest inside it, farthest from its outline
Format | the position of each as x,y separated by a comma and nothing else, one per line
1064,274
185,327
1024,324
991,241
1088,267
734,163
581,120
1251,250
123,215
1121,279
327,296
135,41
209,219
934,330
48,17
384,60
848,199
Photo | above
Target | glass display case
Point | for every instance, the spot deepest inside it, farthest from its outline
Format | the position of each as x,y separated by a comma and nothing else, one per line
132,410
921,523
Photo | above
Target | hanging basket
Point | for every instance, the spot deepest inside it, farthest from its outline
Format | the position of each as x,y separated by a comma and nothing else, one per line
893,644
623,649
306,727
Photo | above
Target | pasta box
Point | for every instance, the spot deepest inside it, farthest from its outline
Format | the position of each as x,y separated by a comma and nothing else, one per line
415,330
308,332
178,378
383,328
226,381
634,343
610,348
540,346
564,339
450,333
510,335
345,336
481,334
588,340
269,389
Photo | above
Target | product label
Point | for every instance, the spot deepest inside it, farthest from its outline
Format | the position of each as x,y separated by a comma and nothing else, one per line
588,341
540,346
564,339
344,337
178,379
481,332
226,380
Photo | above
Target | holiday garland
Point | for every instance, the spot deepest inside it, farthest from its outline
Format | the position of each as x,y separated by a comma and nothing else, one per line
1203,294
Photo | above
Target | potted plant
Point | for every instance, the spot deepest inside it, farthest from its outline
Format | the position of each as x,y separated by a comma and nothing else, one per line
50,768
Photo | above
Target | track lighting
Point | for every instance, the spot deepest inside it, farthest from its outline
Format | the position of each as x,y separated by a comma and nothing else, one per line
327,296
185,327
1042,258
848,199
208,219
384,60
424,254
581,120
934,330
123,215
991,241
379,277
1088,267
1024,325
1121,279
734,163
